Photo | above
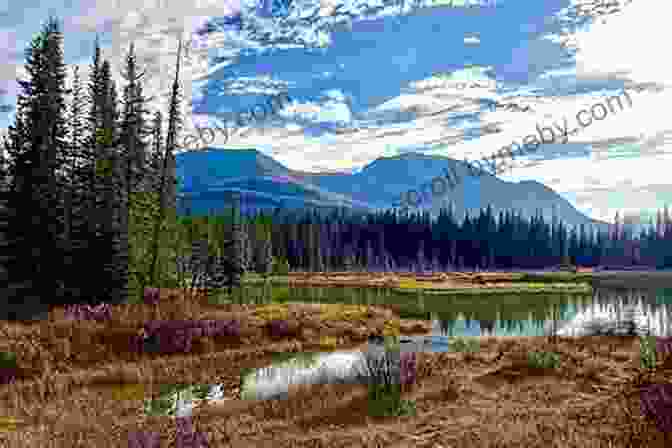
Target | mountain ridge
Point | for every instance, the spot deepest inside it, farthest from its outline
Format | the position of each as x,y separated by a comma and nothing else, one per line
378,186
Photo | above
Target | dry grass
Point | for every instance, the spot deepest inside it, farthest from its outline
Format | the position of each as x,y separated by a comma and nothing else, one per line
491,398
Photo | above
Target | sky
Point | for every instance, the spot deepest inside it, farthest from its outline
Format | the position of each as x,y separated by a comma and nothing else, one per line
380,78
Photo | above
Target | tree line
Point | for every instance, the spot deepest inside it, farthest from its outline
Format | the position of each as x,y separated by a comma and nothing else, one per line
309,240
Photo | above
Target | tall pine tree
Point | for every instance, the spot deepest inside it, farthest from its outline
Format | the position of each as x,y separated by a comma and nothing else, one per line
33,224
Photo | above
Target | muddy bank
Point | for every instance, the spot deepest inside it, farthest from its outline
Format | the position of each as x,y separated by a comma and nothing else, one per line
489,398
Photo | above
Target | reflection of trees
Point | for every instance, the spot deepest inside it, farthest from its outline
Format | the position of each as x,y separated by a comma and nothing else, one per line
487,325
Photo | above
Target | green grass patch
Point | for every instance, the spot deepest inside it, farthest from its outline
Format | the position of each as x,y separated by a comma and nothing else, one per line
556,277
385,401
465,345
529,288
543,360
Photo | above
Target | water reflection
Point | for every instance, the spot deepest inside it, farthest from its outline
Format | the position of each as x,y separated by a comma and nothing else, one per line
498,315
607,311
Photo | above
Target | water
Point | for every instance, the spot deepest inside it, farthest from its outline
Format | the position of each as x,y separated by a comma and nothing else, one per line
649,310
495,315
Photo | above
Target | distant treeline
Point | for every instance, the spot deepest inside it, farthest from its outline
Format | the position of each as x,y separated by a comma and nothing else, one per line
314,241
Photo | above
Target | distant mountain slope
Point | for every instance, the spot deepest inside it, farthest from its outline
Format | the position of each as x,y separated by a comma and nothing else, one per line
207,176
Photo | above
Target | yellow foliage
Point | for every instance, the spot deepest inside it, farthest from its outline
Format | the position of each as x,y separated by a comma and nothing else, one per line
328,342
272,312
410,284
129,392
392,327
332,312
9,424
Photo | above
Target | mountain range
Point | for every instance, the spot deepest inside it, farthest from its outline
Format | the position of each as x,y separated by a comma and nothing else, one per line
207,178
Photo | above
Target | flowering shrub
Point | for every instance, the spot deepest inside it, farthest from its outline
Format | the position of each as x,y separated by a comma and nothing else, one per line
171,336
151,296
186,437
211,328
279,329
409,368
143,439
657,404
664,347
100,312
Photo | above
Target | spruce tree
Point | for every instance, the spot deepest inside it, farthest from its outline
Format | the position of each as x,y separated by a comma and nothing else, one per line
33,210
168,165
112,210
80,162
133,127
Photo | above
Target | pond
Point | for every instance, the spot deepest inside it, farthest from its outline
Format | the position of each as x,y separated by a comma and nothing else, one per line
500,314
606,311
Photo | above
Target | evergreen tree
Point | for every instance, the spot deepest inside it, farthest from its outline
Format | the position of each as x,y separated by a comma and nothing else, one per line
78,196
265,258
33,211
111,200
167,169
133,128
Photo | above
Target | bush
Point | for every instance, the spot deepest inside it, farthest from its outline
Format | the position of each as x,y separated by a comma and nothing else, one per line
279,329
543,360
647,352
151,296
657,404
100,312
664,347
8,367
459,344
143,439
186,437
328,342
386,374
280,266
409,368
8,359
171,336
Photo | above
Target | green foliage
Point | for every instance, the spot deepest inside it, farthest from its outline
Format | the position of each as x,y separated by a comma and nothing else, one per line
143,211
647,351
8,360
385,401
467,345
280,266
543,360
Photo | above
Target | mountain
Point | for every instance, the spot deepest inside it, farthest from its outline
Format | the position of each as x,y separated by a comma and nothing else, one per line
208,177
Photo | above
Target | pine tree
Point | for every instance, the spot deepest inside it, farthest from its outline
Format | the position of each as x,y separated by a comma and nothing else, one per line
133,129
168,165
76,257
33,225
112,202
264,259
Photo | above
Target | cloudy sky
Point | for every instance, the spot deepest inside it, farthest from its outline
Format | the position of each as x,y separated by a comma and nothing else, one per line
379,78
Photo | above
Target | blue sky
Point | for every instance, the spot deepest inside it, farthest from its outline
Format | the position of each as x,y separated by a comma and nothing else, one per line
372,79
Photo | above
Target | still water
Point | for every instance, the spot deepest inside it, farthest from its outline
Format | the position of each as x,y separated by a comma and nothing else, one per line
606,311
